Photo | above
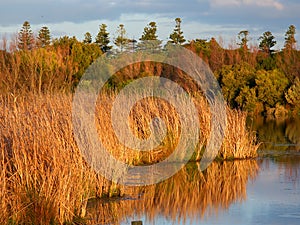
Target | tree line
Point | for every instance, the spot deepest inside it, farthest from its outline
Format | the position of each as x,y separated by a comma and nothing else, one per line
256,79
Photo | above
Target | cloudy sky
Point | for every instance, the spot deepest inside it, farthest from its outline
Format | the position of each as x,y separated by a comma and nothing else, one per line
200,18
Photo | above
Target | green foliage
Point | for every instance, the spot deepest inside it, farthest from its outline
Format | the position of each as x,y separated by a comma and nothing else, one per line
266,61
292,96
177,36
250,80
121,40
202,46
25,37
267,42
271,86
102,38
290,40
234,79
243,37
247,100
87,38
149,39
44,37
82,56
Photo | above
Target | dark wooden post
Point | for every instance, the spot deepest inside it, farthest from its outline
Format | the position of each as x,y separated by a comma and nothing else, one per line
136,223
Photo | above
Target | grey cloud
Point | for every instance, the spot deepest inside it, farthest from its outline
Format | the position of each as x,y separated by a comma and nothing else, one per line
55,11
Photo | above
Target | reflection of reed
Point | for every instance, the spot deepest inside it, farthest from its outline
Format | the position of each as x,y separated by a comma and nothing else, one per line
189,194
290,166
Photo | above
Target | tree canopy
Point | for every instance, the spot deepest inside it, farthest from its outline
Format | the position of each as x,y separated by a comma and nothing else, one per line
25,37
44,37
267,42
149,39
102,38
177,36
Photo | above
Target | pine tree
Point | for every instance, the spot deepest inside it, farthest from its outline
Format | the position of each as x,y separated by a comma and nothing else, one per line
177,35
25,37
243,37
290,40
44,37
102,38
121,40
149,39
87,38
267,42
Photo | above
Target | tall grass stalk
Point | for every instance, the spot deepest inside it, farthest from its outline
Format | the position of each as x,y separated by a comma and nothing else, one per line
44,178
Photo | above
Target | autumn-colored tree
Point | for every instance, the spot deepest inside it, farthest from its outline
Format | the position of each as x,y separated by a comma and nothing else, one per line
216,55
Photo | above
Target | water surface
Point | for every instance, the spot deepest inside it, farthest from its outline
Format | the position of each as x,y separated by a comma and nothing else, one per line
261,191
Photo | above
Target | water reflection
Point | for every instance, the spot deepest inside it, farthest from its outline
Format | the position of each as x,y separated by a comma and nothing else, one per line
189,195
277,134
222,194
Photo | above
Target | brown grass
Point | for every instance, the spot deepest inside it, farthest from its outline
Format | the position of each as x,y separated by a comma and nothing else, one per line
44,178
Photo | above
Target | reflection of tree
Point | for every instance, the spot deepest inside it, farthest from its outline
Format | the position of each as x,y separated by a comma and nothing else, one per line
290,165
292,132
270,132
277,134
189,194
286,164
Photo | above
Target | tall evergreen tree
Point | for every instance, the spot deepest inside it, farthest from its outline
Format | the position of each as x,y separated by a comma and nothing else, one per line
87,38
25,37
102,38
290,40
149,39
44,37
177,35
267,42
243,37
121,40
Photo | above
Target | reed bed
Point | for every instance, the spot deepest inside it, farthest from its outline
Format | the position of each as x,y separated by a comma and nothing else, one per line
239,141
44,178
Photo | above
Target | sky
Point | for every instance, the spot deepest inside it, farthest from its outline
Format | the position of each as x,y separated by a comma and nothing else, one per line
222,19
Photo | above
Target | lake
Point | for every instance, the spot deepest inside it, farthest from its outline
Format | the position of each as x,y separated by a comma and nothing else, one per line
265,190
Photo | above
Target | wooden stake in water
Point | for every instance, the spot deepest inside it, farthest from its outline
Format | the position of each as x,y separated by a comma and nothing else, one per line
136,223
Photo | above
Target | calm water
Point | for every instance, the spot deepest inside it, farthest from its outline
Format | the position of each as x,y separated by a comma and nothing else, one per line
261,191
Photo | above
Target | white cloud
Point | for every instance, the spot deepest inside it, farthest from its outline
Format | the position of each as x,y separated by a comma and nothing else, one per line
261,3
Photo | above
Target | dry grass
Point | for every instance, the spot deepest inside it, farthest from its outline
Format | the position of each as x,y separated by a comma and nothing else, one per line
239,142
44,178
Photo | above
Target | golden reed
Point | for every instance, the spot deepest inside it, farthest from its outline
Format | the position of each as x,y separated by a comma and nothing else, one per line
44,178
